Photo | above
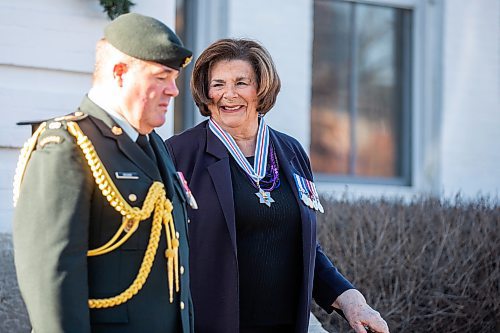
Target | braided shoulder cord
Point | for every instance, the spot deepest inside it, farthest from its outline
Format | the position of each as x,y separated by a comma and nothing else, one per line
24,157
131,217
155,200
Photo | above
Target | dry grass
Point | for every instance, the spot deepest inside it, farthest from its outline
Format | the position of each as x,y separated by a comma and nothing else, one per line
427,266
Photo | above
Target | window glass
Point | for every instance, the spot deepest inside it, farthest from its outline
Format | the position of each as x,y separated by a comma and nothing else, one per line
360,84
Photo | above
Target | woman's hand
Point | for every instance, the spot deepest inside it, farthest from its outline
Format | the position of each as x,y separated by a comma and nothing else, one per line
360,315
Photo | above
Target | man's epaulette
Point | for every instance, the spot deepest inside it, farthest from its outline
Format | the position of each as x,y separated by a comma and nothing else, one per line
59,122
76,116
38,127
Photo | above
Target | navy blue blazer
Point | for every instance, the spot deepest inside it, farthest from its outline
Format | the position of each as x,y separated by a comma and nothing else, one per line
204,160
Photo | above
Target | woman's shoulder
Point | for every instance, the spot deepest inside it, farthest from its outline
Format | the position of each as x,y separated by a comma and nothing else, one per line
184,147
288,143
289,140
189,136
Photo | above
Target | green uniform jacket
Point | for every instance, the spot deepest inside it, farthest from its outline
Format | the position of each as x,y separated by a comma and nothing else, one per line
61,214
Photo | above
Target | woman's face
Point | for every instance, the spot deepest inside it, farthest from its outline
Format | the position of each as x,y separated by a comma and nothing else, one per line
233,94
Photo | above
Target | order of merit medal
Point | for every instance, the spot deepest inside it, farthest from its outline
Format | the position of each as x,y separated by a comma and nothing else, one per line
265,197
259,168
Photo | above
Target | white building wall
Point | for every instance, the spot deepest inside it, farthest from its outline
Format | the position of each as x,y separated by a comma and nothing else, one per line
471,98
286,30
47,54
8,161
46,61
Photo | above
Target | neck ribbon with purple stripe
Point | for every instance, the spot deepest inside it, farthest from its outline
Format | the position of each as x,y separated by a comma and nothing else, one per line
258,171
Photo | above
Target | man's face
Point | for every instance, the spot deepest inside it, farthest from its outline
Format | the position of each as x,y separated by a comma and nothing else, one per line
147,89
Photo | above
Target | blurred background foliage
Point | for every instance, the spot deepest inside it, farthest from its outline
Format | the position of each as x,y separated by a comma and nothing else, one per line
115,8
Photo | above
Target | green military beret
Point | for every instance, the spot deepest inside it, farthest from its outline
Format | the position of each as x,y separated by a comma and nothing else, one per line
146,38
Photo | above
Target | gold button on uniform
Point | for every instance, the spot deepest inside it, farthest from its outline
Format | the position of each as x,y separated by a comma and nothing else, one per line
132,197
182,305
189,220
177,235
181,269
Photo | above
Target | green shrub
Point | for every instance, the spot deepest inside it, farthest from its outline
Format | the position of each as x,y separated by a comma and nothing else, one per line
426,266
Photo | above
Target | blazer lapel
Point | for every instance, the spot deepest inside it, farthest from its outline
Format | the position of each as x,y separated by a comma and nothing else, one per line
219,170
286,159
128,147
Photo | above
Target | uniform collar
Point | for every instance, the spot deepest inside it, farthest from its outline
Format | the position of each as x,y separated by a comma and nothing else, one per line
94,96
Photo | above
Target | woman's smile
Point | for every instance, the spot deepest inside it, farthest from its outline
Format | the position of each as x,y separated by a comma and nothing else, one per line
233,94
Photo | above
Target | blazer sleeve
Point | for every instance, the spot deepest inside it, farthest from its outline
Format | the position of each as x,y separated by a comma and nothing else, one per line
50,234
328,282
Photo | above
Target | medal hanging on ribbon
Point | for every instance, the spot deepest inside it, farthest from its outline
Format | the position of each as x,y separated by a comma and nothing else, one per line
304,194
258,170
312,198
187,191
308,193
316,198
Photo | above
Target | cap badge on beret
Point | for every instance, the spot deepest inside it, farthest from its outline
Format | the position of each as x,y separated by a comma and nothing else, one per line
187,61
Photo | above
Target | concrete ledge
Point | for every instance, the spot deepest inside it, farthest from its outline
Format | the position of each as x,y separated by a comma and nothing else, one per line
315,325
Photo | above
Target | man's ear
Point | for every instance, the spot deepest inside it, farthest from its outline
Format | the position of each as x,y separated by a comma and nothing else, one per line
118,71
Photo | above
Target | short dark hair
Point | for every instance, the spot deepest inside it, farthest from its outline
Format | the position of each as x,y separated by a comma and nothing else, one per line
268,81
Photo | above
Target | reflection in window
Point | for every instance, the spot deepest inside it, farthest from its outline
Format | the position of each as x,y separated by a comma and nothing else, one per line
360,92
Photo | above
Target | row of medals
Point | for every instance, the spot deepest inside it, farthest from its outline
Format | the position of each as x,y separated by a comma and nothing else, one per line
309,195
312,202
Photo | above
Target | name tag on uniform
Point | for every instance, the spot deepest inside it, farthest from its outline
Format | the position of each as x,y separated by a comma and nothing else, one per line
126,175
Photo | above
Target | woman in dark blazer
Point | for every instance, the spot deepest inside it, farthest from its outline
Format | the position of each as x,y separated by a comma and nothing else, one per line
255,262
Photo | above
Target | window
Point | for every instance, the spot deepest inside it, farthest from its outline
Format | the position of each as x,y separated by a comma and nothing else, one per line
361,77
198,24
184,109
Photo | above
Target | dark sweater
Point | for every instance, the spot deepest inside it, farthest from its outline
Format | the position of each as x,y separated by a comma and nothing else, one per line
269,252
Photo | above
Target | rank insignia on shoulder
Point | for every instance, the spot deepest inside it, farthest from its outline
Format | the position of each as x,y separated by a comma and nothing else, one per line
78,115
189,195
50,139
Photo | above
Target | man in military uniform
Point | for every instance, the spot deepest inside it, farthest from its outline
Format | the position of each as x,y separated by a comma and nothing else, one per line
100,226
